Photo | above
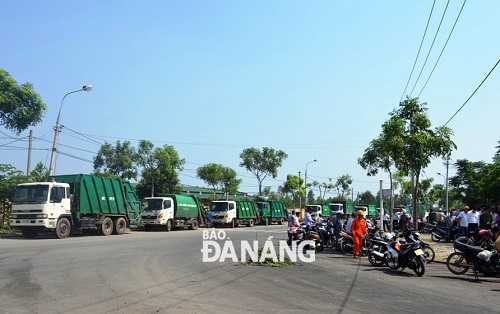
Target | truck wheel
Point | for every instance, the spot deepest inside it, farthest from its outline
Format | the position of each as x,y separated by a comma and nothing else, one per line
194,225
120,225
250,223
168,228
63,228
107,226
28,233
280,222
233,223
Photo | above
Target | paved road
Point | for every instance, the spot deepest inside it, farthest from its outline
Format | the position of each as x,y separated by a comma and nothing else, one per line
152,272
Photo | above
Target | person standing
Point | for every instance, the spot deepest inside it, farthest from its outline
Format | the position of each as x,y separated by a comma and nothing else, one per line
472,222
463,222
291,219
486,219
395,220
404,220
349,223
386,221
358,229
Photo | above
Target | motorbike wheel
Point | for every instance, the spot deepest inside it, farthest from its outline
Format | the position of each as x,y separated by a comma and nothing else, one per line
435,238
429,253
419,267
375,260
330,243
346,246
457,264
391,262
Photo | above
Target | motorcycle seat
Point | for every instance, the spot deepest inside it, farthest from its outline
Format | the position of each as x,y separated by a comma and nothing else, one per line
469,248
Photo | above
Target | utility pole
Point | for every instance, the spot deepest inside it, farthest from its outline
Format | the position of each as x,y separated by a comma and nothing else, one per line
28,171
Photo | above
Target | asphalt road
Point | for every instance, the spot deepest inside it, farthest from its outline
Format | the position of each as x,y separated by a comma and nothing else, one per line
159,272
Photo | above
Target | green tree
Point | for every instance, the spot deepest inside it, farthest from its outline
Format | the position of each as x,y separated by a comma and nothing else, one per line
323,187
467,180
343,185
9,178
415,144
366,197
116,161
217,175
39,174
20,106
160,166
262,163
293,187
229,182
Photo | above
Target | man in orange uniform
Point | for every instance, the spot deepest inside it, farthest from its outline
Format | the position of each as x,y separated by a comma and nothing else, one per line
358,229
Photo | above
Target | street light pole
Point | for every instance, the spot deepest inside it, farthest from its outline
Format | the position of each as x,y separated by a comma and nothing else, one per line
446,188
86,88
305,181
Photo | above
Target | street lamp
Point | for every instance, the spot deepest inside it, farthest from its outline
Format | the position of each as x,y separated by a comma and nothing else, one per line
446,189
86,88
305,181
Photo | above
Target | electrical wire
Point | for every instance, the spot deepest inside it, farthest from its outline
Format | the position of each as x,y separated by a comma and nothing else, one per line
432,45
446,43
418,53
473,93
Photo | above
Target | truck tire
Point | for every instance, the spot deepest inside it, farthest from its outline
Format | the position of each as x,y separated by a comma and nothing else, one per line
168,227
280,222
63,228
194,225
250,223
233,223
28,233
120,225
107,226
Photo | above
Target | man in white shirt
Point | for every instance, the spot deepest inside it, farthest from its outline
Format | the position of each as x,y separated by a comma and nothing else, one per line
473,222
463,222
349,223
386,221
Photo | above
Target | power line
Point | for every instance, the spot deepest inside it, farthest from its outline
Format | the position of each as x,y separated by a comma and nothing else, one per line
432,45
418,53
473,93
446,43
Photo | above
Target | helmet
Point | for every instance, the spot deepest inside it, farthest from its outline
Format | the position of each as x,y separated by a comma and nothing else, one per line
466,207
360,212
388,237
485,233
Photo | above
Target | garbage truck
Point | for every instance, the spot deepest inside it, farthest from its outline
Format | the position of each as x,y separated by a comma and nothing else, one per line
272,211
234,213
72,204
173,211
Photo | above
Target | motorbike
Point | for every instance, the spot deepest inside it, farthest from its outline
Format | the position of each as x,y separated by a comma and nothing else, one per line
378,248
327,234
475,257
413,236
441,233
302,233
408,255
347,241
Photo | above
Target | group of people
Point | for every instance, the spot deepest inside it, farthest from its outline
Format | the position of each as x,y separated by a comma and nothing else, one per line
356,226
470,220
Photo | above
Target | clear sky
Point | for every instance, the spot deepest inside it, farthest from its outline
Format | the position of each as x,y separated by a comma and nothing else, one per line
314,78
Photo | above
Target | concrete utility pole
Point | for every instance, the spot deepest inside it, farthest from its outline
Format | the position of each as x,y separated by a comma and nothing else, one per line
28,171
305,180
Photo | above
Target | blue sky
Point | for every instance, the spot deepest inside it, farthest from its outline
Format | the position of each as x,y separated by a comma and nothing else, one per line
211,78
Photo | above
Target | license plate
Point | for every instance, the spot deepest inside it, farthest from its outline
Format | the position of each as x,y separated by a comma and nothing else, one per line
419,252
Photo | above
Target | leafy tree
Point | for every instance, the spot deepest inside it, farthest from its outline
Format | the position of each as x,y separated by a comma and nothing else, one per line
496,158
413,143
211,174
116,161
343,185
293,187
366,197
20,106
467,180
323,187
160,165
229,181
262,163
39,174
9,178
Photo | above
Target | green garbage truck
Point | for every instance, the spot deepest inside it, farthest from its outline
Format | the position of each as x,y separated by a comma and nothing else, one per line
71,204
272,211
173,211
234,213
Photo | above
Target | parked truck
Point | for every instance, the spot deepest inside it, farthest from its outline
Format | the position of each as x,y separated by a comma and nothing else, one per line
71,204
234,213
323,209
272,211
173,211
370,210
345,207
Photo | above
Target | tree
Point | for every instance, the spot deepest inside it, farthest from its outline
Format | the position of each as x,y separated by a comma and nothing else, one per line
217,175
117,161
293,186
160,165
39,174
366,197
9,178
413,143
323,187
343,185
20,106
262,163
467,180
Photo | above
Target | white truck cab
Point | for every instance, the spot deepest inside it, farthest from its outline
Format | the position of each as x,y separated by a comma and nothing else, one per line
157,211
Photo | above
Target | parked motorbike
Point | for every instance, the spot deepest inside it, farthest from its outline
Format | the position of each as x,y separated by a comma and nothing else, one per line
408,255
327,234
300,233
378,248
347,242
413,236
442,233
475,257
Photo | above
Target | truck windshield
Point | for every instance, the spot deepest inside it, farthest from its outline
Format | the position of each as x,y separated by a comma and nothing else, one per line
218,207
154,204
335,207
30,194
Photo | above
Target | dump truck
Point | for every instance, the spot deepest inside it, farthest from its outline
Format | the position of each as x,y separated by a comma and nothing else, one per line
173,211
344,207
72,204
370,210
272,211
234,213
323,209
